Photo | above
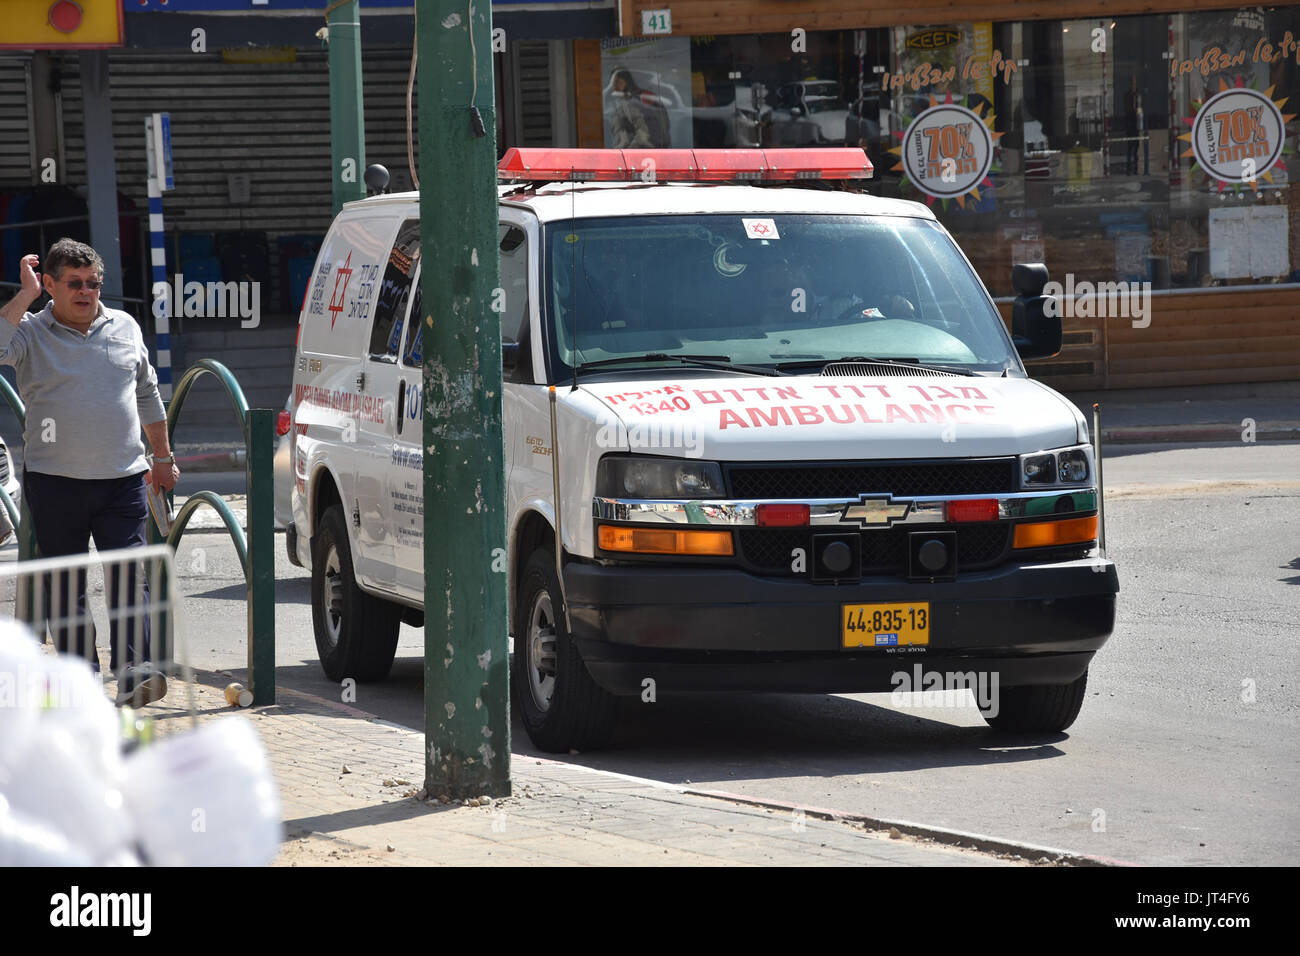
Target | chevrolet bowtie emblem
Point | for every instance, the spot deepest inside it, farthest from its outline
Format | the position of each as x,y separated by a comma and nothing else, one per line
876,511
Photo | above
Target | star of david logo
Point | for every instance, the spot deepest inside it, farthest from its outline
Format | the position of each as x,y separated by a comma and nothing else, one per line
337,299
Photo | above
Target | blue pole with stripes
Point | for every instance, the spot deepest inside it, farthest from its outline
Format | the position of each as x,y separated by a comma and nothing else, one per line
158,136
161,291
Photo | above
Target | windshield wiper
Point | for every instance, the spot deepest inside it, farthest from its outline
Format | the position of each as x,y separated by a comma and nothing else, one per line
877,360
701,361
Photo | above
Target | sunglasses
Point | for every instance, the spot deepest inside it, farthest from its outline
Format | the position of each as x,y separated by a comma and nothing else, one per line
94,285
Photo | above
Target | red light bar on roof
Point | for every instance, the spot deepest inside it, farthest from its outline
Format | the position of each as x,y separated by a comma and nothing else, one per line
683,165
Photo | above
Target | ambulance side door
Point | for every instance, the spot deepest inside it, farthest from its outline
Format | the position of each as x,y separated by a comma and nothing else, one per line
377,412
512,301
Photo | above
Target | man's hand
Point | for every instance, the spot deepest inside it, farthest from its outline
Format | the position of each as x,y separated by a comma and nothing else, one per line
31,282
29,291
164,475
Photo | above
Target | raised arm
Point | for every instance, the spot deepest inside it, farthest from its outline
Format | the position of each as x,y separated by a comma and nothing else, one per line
14,310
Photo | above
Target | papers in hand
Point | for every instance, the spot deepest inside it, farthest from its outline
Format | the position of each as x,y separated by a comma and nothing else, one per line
160,509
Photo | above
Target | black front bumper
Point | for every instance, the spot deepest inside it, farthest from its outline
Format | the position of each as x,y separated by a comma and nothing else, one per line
707,630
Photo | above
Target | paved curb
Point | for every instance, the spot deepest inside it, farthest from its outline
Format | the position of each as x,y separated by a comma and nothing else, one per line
962,839
233,459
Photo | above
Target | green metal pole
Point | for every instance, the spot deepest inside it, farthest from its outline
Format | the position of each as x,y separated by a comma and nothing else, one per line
466,692
347,114
259,438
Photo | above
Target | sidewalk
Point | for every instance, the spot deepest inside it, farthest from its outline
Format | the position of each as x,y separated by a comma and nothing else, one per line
349,786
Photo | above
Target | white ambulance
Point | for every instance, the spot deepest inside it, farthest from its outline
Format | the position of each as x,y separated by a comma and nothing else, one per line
759,435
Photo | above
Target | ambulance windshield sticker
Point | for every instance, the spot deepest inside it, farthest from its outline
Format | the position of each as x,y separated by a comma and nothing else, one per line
760,228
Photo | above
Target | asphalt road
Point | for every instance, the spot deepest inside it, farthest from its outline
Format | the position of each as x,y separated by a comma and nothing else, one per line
1185,751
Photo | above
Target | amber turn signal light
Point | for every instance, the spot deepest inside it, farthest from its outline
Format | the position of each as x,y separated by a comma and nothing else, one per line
1044,534
666,541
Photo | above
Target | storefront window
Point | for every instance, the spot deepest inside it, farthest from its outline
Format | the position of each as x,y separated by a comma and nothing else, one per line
1067,141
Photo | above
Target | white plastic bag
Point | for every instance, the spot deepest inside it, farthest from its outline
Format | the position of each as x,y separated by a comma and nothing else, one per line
205,798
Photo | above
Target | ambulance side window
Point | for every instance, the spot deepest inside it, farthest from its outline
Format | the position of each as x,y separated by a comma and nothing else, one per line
514,281
394,292
412,355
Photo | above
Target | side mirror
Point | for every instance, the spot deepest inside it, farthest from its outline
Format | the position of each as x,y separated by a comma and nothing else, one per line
509,356
1034,333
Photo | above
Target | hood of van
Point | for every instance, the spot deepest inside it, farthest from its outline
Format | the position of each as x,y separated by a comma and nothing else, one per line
812,418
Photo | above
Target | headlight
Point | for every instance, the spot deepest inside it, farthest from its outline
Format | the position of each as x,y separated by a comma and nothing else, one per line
638,477
1065,466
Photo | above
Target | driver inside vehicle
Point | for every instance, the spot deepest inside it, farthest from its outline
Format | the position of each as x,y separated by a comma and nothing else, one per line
784,296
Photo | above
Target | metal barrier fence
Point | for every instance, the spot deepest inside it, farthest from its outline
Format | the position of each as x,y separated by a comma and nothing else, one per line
139,611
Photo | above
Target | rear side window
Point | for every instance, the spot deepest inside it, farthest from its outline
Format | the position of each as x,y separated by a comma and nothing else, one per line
395,293
514,281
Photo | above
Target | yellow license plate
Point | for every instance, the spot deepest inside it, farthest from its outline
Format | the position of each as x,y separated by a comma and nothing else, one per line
885,625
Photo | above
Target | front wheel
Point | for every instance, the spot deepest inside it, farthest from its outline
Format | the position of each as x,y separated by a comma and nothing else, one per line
356,633
1038,708
561,707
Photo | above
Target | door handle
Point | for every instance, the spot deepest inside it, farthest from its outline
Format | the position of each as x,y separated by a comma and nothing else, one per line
401,404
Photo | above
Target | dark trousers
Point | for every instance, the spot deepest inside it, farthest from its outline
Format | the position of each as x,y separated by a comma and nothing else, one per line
66,513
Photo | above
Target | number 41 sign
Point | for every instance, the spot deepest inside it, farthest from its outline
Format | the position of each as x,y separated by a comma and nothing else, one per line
656,22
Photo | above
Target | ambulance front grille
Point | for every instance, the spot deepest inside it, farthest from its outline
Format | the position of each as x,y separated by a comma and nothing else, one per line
902,479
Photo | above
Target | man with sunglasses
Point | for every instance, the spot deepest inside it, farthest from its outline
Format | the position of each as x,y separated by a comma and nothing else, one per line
84,374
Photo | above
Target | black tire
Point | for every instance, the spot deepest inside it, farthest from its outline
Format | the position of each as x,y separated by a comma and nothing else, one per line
1039,708
579,714
356,633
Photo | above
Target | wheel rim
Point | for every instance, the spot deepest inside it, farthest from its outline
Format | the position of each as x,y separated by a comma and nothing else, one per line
539,648
332,596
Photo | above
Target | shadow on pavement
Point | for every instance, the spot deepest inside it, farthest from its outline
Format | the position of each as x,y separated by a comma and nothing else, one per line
721,737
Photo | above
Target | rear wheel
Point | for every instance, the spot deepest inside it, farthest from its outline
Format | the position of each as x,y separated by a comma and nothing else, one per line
356,633
1039,708
561,707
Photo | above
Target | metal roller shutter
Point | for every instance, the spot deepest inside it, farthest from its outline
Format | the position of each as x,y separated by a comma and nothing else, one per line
16,156
533,92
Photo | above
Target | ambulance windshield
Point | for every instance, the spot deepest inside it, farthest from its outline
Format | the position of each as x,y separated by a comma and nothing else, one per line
772,290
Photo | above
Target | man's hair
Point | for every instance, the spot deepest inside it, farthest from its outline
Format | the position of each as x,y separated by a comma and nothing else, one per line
70,254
